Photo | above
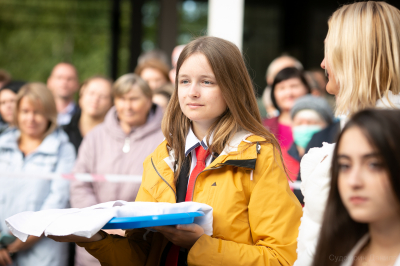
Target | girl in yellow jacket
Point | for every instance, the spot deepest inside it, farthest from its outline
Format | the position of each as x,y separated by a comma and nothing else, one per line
217,152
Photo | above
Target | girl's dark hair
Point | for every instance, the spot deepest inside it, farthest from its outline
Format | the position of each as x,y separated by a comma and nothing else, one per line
339,232
285,74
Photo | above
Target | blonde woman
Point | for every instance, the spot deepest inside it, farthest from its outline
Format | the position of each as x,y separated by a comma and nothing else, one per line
34,146
362,62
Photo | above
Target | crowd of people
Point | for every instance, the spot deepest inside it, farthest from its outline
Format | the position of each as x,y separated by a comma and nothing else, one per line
294,177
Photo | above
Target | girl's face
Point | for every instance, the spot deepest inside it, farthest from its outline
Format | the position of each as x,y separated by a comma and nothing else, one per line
200,97
7,105
153,77
363,182
96,98
332,87
161,101
287,91
31,118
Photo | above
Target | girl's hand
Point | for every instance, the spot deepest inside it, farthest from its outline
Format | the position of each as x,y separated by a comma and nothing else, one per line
74,238
18,245
115,232
182,235
5,258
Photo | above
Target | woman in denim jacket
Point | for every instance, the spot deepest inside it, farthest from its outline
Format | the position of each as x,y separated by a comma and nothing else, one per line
35,146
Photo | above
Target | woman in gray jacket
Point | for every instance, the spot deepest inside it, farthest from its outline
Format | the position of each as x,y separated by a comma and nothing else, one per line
130,132
35,146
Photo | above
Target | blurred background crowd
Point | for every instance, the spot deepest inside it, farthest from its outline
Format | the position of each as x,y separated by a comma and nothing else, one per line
84,85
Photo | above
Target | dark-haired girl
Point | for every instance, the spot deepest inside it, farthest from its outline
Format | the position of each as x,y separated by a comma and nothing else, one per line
362,64
289,85
361,223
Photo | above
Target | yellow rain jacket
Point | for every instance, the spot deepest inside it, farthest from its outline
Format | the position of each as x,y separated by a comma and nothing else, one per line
256,215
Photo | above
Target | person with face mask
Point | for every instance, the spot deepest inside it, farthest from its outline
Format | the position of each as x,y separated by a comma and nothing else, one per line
289,85
310,114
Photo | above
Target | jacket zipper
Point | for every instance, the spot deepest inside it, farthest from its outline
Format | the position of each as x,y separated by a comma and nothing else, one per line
194,186
127,145
213,168
163,179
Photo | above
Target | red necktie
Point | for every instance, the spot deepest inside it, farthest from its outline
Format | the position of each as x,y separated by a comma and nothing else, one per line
201,156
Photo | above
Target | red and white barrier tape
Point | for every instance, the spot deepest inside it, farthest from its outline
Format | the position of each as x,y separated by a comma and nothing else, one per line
77,177
95,177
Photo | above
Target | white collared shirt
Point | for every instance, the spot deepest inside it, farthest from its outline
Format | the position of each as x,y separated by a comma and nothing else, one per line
192,142
353,255
65,117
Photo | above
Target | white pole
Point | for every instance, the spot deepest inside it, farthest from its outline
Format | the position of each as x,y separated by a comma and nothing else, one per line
225,20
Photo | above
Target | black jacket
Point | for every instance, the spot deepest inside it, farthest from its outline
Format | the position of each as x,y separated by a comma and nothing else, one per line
328,134
72,130
294,153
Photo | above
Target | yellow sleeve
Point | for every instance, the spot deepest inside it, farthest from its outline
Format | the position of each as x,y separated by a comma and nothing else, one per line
114,250
274,219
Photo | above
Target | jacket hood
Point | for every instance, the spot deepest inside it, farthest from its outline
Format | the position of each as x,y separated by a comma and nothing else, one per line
237,153
153,123
229,153
50,145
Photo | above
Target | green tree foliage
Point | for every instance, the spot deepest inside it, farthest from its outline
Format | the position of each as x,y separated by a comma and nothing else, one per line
37,34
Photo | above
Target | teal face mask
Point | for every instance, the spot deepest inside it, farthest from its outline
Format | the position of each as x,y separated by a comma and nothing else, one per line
303,134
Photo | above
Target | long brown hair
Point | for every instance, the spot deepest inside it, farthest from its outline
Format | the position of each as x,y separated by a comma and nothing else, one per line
237,89
339,232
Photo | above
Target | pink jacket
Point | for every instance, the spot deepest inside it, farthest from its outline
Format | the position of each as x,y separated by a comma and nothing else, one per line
101,153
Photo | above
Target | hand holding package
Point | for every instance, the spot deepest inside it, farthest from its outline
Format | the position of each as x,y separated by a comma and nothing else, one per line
88,221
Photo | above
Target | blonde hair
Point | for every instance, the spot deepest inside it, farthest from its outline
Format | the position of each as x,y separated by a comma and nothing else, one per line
237,89
362,49
37,92
125,83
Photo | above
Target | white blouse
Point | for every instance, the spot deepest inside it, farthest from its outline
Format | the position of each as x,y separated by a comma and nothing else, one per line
352,257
